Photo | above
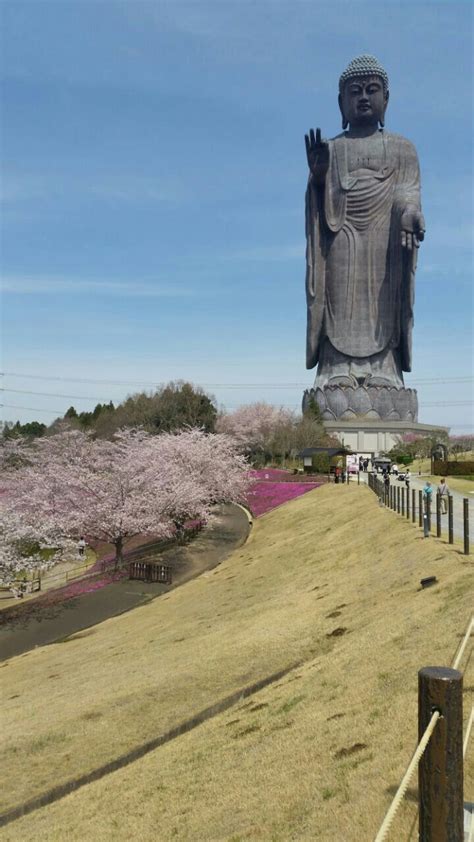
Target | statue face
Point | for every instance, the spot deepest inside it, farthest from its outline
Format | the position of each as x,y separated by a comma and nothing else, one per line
363,101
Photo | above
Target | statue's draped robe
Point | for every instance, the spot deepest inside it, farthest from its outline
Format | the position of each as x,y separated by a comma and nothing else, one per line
359,280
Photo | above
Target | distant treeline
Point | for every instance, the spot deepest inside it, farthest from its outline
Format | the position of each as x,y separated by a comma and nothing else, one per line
173,407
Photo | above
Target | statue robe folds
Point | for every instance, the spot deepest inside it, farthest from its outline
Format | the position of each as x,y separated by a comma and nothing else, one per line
359,279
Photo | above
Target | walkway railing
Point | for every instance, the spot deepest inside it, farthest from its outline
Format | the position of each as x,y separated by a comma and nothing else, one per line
439,760
408,505
150,571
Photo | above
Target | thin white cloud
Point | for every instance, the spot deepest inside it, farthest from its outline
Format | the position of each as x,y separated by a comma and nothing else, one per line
119,188
288,251
77,286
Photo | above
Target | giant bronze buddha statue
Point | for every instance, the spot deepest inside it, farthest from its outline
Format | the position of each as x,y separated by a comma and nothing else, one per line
363,229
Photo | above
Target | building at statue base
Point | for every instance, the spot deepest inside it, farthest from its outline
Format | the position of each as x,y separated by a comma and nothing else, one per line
371,437
369,419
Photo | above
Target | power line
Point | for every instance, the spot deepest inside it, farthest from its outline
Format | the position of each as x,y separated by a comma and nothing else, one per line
32,408
51,394
101,399
59,413
156,384
447,403
82,379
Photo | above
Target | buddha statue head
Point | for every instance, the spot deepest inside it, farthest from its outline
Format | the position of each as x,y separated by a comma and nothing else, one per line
363,93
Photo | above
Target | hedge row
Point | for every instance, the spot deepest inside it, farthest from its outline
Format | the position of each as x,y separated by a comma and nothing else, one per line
453,469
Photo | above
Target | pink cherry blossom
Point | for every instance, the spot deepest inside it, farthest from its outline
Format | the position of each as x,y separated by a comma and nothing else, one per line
60,487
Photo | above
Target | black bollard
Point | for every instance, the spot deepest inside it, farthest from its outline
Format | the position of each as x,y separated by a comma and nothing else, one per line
413,505
465,511
420,508
398,499
440,771
450,519
428,511
438,515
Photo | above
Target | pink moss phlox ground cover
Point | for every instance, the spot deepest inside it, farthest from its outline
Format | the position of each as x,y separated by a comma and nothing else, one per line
269,473
88,585
267,495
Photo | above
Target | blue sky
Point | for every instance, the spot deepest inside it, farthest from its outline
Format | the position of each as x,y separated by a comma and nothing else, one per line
153,193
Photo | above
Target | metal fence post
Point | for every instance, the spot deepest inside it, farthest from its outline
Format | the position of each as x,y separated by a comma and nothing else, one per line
420,508
465,510
398,499
438,515
450,519
413,505
408,502
402,494
440,772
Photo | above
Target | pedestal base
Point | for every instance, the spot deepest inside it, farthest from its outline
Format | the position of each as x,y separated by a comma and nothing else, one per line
346,402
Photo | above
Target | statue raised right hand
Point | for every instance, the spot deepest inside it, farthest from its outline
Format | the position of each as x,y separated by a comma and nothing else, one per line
317,152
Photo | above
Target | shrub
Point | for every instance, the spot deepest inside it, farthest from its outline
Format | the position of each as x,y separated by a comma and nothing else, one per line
453,469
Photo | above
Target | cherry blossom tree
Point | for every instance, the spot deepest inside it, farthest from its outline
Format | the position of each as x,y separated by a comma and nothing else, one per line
71,484
263,430
256,426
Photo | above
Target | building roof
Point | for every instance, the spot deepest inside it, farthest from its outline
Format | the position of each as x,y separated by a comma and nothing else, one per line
330,451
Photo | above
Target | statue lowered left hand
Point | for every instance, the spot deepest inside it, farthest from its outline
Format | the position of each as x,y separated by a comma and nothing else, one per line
413,228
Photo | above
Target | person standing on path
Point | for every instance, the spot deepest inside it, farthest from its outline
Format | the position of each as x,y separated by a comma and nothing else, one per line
427,497
443,492
81,546
427,491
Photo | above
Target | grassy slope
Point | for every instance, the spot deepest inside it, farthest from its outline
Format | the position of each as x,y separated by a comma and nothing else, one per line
268,769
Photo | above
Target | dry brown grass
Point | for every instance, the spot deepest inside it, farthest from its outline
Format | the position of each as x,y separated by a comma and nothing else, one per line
314,756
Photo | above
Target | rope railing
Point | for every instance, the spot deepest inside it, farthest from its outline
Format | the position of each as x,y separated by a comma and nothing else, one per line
398,797
468,732
423,743
458,658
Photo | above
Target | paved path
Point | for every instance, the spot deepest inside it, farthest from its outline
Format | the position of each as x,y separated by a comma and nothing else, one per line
418,483
42,624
